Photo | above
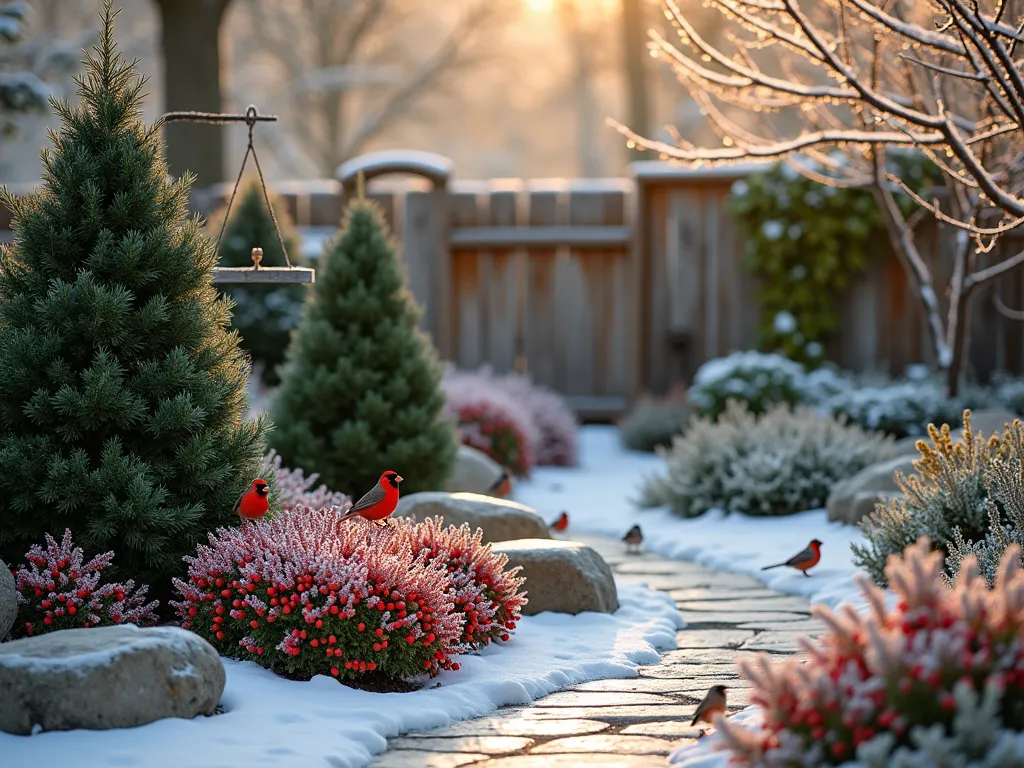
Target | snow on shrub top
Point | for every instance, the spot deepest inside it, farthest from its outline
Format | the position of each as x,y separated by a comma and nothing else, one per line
59,589
936,680
777,463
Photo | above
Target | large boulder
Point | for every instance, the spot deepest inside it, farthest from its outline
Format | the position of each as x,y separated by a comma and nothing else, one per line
474,472
562,576
106,677
8,600
500,519
855,497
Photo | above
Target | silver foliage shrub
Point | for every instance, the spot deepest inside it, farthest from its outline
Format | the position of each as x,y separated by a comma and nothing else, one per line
777,463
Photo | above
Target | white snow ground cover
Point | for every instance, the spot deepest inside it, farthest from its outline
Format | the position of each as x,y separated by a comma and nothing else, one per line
271,721
598,497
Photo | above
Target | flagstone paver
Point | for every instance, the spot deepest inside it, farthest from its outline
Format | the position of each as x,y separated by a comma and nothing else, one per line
634,722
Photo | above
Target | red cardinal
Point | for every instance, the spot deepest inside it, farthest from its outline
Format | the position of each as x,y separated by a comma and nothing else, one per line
502,486
379,502
253,504
802,561
561,523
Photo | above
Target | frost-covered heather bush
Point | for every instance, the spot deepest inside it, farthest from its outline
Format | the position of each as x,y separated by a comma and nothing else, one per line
946,495
755,379
935,682
293,489
777,463
483,592
652,423
305,594
58,589
552,429
492,421
553,418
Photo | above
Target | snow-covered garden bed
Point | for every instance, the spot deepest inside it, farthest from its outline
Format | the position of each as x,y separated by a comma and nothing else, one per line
268,720
599,497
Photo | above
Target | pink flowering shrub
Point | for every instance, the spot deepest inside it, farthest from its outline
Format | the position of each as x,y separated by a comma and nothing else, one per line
552,416
293,489
483,592
58,589
939,679
305,594
491,421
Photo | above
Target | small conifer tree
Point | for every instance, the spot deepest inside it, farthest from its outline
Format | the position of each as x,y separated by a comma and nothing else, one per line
121,391
360,391
265,315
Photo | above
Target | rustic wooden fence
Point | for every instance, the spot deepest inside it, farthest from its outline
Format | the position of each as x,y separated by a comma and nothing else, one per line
606,288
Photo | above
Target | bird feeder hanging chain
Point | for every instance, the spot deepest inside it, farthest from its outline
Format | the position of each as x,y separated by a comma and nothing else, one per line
251,117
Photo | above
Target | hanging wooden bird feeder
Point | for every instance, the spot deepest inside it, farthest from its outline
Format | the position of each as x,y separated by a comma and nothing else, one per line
257,273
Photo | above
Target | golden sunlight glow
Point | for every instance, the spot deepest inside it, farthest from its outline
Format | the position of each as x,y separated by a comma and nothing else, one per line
540,6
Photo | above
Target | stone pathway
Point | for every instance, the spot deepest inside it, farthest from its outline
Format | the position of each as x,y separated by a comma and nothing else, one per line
637,721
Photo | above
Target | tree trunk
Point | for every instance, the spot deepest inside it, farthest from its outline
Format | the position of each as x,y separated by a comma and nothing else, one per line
635,52
190,40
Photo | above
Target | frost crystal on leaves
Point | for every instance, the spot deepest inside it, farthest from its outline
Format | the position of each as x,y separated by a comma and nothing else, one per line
487,595
58,589
777,464
936,681
303,593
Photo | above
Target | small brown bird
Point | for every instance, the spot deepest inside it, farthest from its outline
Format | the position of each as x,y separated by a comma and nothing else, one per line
803,561
502,486
561,523
713,704
633,538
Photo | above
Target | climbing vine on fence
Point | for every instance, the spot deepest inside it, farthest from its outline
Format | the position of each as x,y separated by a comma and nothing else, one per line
805,241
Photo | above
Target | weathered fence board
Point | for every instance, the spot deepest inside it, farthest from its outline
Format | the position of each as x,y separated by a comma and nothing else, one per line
605,288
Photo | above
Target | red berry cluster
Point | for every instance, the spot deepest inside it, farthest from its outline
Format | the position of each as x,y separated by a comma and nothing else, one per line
491,431
58,589
483,592
894,670
305,594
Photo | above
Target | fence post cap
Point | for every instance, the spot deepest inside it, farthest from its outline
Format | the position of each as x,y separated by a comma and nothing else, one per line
431,166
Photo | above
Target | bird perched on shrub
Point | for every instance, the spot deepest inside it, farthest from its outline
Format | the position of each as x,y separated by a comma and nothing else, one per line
634,538
561,522
253,504
803,560
502,486
713,704
379,502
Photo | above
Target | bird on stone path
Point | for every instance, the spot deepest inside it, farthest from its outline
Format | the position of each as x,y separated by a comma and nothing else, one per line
379,502
713,704
633,538
502,486
803,561
253,503
561,523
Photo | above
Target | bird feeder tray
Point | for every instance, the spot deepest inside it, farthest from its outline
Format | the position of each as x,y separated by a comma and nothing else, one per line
255,274
270,275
